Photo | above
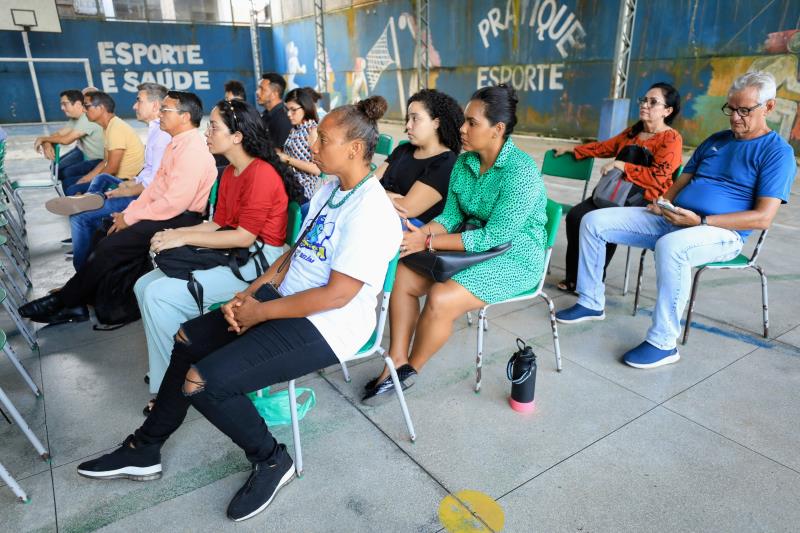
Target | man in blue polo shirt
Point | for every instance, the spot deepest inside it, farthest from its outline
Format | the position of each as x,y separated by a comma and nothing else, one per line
734,183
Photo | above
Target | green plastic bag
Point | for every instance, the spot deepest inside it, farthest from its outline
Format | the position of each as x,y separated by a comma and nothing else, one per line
274,406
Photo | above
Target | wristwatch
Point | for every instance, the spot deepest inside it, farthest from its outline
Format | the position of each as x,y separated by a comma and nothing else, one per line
703,221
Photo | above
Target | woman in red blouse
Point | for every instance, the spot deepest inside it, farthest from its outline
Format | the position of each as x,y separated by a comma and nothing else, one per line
251,212
657,109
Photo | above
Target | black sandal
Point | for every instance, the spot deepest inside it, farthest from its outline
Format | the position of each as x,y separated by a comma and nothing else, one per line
566,286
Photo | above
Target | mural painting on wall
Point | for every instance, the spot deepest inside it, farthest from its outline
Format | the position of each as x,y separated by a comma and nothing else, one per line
781,59
293,66
408,21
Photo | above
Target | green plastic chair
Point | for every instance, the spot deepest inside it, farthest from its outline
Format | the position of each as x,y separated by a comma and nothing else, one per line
212,199
566,166
385,143
675,176
401,143
372,346
553,210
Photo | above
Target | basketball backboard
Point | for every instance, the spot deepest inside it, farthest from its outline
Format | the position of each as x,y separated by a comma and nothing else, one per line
35,15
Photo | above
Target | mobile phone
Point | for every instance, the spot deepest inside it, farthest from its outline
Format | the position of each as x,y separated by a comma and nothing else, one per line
666,204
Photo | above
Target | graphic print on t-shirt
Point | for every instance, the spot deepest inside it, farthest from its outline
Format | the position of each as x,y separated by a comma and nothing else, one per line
314,240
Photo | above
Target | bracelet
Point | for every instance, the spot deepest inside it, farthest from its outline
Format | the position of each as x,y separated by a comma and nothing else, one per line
430,243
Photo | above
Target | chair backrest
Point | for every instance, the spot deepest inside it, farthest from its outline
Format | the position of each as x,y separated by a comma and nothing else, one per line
385,142
757,249
566,166
391,272
294,223
553,211
401,143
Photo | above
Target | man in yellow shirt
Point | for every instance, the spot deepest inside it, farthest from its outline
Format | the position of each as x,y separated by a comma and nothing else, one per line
124,151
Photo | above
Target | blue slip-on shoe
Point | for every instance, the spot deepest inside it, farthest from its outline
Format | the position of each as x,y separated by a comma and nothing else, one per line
648,356
578,313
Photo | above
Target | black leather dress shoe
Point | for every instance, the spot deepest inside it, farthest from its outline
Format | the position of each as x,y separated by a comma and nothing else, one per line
385,389
403,373
44,306
66,314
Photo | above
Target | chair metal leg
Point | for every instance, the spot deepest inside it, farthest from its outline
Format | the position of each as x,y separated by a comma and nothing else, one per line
298,451
479,355
17,267
12,356
345,372
639,282
401,397
34,440
17,252
30,338
469,318
695,284
15,488
627,272
764,299
16,290
556,345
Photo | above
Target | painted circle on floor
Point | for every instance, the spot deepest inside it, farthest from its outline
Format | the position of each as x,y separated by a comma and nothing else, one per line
470,511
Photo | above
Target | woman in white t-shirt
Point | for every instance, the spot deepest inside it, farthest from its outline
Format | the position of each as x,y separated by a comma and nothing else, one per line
322,312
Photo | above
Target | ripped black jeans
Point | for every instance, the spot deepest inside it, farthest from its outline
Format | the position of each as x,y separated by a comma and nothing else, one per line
230,366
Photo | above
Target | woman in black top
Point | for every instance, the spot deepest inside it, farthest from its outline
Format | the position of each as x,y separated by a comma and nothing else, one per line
416,174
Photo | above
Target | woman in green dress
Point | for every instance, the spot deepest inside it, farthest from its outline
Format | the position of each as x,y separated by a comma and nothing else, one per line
495,186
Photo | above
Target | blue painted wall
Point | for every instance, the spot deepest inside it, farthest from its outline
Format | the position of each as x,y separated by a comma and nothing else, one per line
198,58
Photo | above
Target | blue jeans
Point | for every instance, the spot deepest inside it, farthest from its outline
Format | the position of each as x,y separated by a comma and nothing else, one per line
72,157
677,250
83,225
103,182
71,169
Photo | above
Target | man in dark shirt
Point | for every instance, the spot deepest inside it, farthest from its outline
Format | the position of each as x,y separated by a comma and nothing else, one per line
270,95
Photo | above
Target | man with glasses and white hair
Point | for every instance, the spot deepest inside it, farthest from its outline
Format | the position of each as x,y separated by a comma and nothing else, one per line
734,183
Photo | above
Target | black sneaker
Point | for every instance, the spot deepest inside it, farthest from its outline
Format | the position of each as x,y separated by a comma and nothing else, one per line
142,463
266,479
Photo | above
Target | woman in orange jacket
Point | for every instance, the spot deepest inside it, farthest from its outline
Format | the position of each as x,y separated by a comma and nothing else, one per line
657,109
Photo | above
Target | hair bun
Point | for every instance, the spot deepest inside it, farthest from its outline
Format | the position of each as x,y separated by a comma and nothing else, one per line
512,94
373,107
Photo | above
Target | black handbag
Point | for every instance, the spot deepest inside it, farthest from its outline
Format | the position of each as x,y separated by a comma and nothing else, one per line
613,190
443,265
181,262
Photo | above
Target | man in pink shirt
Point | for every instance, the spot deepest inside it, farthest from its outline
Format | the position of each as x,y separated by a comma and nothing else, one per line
177,197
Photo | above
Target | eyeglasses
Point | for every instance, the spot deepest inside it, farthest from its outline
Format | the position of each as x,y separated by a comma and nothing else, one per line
91,104
163,110
291,110
644,101
741,111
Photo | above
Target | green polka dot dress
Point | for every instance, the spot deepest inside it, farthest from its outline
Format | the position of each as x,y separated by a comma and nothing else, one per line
509,202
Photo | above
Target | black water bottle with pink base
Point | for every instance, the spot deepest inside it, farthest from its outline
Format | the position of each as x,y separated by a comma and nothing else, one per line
521,370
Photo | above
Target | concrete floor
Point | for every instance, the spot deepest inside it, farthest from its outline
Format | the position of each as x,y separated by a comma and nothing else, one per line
708,444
